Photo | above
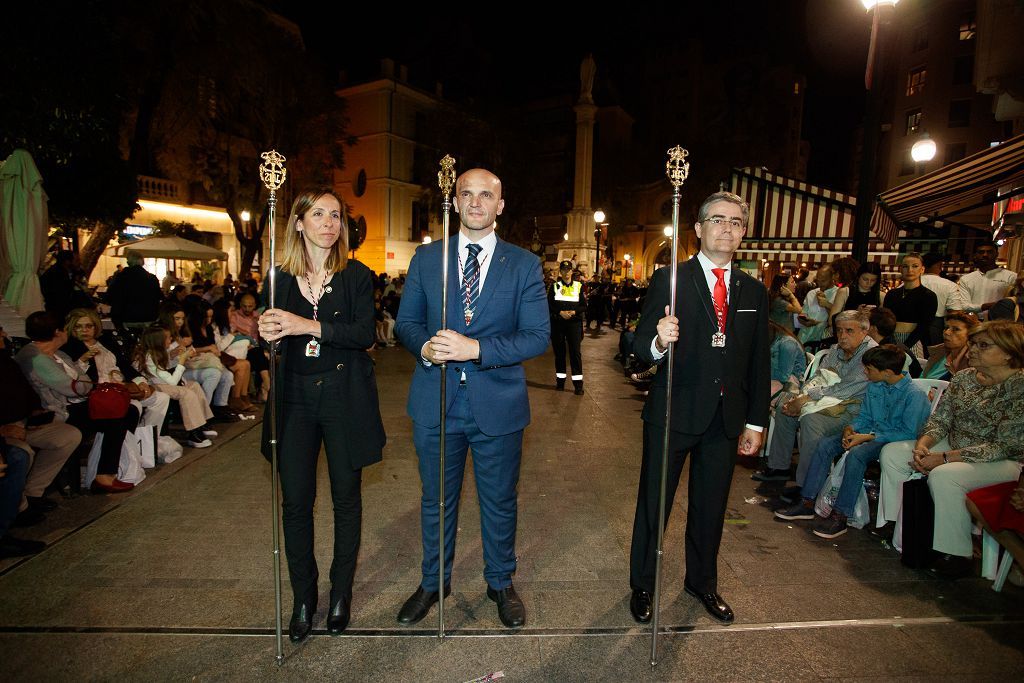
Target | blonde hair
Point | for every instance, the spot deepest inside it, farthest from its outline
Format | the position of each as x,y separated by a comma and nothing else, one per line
79,313
1007,335
296,260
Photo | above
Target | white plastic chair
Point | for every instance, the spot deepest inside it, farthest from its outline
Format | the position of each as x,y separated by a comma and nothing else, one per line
934,388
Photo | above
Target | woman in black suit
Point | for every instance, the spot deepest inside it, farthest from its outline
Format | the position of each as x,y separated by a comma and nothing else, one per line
326,393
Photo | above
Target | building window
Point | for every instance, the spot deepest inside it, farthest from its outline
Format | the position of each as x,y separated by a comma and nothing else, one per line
963,70
913,121
968,26
915,81
959,113
920,39
955,151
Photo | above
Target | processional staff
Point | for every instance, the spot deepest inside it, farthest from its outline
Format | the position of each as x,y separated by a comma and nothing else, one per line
677,168
446,181
273,173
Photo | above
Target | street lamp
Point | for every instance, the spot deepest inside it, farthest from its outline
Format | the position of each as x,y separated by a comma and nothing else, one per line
427,239
881,11
599,218
923,150
667,231
245,215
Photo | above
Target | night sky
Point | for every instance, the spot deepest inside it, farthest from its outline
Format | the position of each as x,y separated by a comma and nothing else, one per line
491,56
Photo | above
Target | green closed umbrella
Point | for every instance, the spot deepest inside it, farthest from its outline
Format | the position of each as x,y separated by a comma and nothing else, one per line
24,224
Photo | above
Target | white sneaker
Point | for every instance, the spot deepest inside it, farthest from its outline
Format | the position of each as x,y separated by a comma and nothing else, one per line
205,443
210,433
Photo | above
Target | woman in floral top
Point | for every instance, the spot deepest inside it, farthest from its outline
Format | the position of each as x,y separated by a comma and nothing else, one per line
974,438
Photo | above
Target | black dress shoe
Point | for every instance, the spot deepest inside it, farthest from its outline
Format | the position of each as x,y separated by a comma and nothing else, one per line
511,609
884,532
640,606
418,604
301,624
337,618
950,567
713,603
42,503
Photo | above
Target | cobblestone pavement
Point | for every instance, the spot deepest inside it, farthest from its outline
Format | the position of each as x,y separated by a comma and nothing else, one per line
174,581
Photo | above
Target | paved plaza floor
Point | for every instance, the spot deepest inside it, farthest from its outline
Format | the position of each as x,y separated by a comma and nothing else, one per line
174,580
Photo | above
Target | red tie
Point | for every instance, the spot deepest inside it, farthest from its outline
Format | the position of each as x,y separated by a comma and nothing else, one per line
721,297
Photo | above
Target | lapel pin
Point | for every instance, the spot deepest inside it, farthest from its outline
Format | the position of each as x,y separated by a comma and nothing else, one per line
328,289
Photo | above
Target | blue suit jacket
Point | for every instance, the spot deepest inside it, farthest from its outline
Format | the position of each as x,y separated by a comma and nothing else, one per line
511,324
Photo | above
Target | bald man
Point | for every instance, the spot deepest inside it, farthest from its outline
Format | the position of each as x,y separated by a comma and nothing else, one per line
497,319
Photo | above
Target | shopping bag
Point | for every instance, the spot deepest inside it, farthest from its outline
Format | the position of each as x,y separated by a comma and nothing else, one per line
830,491
129,469
167,450
146,436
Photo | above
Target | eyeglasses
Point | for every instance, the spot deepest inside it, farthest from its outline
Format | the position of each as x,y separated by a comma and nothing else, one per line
982,345
717,221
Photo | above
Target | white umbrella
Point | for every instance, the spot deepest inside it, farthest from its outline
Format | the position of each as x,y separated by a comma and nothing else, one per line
24,223
169,247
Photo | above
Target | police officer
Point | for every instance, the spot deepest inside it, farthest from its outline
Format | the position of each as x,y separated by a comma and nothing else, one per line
567,304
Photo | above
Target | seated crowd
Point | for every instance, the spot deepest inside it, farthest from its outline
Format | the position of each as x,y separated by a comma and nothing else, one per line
961,425
75,392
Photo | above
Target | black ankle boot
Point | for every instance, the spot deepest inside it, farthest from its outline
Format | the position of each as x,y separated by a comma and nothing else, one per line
301,624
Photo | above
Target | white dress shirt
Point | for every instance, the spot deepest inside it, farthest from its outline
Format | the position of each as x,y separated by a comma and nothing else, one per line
946,291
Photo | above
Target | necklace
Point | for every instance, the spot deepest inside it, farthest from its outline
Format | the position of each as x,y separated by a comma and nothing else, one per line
313,345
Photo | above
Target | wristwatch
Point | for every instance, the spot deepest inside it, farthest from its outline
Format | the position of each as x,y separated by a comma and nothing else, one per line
945,457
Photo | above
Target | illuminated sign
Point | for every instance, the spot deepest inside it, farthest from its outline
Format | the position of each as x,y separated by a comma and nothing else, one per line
138,230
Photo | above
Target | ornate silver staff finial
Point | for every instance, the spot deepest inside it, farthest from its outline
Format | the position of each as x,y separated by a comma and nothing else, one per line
272,171
677,167
446,176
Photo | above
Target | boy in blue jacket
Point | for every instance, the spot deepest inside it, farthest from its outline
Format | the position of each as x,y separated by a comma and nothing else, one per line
894,409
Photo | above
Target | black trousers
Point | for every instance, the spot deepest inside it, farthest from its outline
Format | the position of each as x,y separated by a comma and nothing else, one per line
311,416
113,432
567,333
713,456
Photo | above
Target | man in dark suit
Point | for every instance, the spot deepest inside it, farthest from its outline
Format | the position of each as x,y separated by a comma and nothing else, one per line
720,397
497,318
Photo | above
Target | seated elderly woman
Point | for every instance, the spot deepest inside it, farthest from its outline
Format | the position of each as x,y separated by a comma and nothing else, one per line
85,346
974,438
63,388
202,367
950,357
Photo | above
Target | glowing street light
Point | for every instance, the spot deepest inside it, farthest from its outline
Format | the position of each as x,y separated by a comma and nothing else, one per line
667,231
923,150
871,4
427,239
245,215
599,216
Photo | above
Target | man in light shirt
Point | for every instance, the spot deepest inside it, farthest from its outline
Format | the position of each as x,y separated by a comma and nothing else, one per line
988,284
946,291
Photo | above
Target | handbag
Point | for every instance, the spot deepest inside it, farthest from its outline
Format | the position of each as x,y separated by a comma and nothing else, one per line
203,361
108,401
918,516
227,360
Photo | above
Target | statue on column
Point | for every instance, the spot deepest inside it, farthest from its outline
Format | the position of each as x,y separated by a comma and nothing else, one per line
587,70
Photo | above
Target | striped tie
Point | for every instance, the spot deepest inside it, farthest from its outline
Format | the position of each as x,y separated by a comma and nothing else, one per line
471,282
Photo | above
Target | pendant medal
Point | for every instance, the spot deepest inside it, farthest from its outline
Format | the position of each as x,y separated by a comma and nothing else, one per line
313,349
718,340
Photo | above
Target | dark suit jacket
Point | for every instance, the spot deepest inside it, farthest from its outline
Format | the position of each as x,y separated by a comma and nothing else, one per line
743,367
511,324
347,325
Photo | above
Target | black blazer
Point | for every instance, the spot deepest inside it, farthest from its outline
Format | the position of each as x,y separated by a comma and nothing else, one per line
347,324
742,368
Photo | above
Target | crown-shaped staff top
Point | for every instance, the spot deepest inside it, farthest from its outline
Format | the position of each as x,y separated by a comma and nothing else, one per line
446,176
677,167
272,170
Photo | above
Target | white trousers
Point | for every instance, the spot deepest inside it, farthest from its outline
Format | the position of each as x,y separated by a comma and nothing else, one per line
948,484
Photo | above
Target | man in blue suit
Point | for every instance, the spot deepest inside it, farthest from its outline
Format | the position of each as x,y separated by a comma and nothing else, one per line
497,318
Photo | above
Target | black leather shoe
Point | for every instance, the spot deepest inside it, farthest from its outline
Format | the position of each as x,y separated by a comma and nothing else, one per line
301,624
640,606
418,604
338,616
511,609
950,567
713,603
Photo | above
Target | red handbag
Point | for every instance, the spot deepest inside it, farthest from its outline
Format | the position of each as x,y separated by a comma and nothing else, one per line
108,401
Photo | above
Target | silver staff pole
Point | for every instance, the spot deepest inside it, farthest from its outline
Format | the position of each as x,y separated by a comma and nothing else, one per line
272,173
446,180
677,168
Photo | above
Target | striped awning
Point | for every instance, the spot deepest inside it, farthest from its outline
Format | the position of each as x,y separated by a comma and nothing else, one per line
967,184
782,208
811,252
